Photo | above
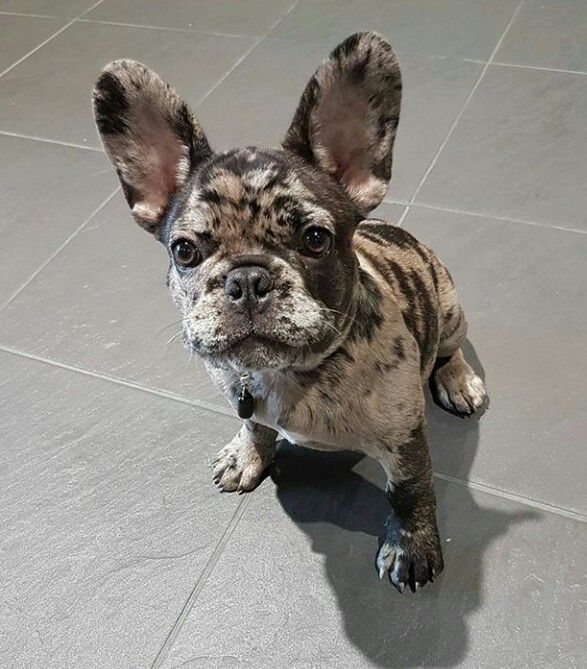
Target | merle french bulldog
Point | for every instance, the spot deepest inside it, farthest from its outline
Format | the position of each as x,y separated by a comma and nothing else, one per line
319,324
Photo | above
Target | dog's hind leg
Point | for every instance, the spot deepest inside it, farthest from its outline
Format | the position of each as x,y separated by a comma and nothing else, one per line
453,382
456,386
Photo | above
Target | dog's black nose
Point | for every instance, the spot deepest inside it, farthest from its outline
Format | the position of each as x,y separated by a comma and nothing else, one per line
247,287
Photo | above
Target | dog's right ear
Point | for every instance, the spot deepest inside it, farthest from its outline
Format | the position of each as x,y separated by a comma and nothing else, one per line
347,119
150,135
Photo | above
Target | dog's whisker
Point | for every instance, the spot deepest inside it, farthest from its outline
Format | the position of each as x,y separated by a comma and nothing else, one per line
169,326
333,327
334,311
174,338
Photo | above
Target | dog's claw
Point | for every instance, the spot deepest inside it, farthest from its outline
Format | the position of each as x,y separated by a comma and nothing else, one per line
409,561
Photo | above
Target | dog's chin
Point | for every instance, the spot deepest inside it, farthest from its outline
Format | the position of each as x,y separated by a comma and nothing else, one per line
250,350
257,353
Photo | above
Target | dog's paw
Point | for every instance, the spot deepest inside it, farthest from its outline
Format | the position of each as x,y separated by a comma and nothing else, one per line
457,387
410,559
238,467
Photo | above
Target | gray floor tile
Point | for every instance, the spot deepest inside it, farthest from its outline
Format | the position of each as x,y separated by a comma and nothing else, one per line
434,93
48,95
108,516
548,33
521,287
388,211
259,97
62,8
519,150
256,102
102,305
454,28
46,193
21,34
296,585
254,17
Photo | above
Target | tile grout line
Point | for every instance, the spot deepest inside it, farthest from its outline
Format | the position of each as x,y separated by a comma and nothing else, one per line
46,140
51,37
57,251
200,404
191,31
31,16
214,408
39,46
408,54
537,67
89,9
200,583
230,70
478,214
255,44
461,113
526,501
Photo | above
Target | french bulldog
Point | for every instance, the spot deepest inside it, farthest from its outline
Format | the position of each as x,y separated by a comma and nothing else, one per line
319,324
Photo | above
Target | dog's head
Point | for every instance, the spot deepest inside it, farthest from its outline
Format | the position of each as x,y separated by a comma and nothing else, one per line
260,241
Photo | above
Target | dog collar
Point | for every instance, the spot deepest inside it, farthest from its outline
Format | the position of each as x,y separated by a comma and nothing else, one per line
245,402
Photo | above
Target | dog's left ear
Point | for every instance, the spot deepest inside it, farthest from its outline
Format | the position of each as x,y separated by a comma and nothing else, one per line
150,135
347,118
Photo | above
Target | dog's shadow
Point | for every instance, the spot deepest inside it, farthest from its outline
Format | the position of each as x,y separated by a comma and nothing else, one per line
324,493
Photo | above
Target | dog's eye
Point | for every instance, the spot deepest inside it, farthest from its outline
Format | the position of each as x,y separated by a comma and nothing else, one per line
185,254
316,241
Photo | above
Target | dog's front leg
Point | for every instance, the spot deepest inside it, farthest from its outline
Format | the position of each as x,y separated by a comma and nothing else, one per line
411,552
241,463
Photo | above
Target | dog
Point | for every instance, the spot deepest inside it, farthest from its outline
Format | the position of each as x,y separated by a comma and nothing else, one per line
319,324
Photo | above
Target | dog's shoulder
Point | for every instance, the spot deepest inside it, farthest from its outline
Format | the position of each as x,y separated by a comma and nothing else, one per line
399,256
392,242
416,278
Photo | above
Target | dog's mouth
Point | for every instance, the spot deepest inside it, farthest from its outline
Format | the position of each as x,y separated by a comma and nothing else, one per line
254,341
251,349
258,351
278,342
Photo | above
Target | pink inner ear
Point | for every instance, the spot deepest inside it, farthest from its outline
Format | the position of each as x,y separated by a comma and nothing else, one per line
160,161
341,134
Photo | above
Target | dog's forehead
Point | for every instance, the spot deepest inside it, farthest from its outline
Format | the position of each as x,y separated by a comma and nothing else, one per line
249,192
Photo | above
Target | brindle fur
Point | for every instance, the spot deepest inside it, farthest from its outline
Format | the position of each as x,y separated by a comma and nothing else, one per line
340,352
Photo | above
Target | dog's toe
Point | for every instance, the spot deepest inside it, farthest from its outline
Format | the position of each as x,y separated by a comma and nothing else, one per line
235,470
408,565
457,388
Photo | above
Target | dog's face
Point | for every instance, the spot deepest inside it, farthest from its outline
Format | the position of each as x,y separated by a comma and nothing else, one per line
262,266
260,241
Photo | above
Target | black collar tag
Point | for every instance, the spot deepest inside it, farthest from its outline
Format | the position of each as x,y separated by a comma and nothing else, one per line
245,402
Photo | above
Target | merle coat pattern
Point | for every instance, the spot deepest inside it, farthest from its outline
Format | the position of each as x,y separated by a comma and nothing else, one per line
278,273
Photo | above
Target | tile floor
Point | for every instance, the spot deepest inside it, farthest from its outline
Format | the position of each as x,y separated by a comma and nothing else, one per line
116,550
